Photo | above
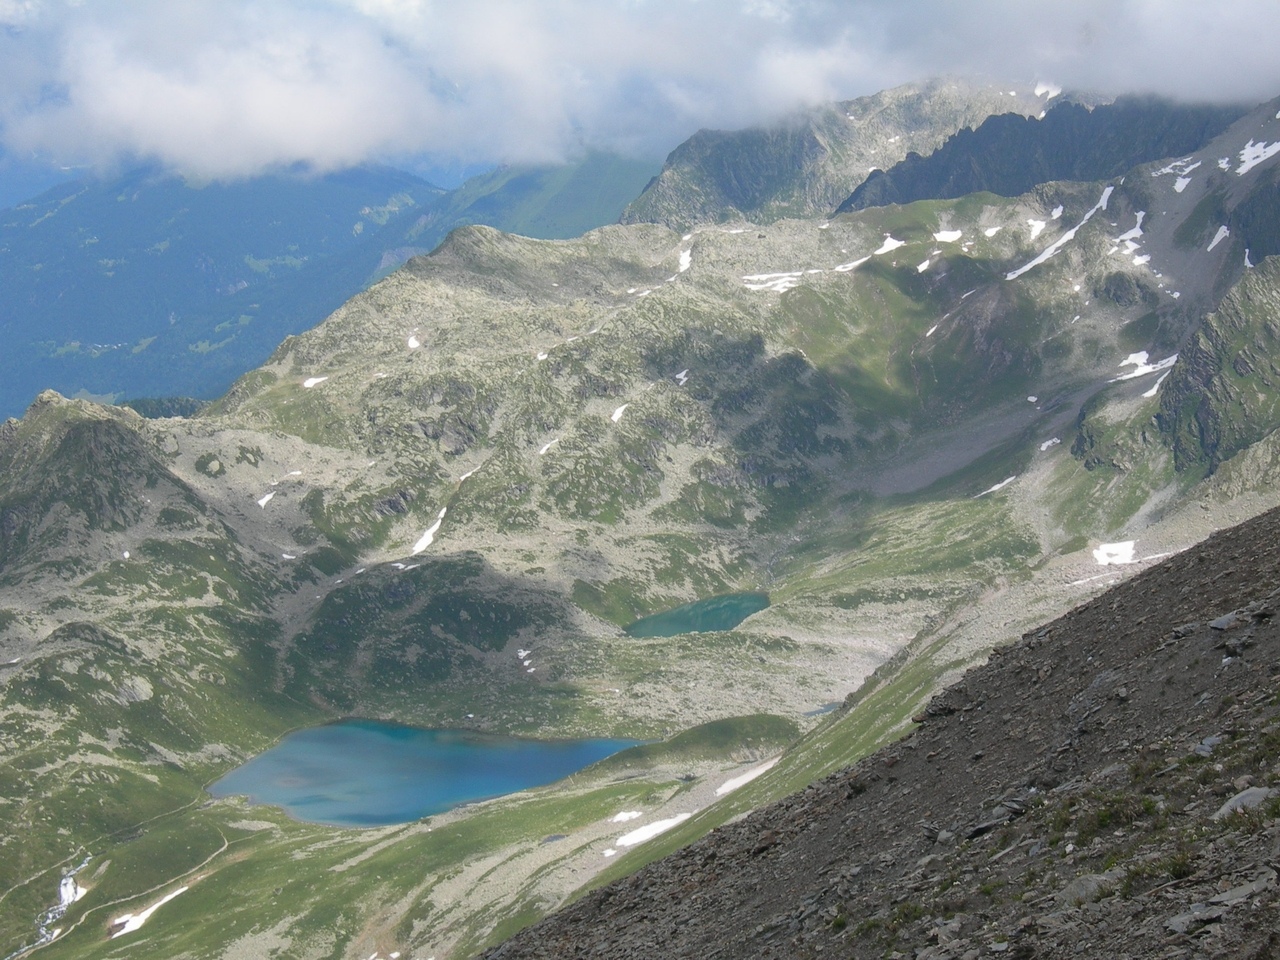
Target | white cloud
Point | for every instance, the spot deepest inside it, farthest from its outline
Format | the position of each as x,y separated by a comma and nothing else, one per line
228,88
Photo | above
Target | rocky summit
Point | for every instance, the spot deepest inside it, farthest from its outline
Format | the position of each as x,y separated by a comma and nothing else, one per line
1106,786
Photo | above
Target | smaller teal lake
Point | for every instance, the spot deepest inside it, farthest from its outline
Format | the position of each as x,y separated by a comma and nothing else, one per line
717,613
364,773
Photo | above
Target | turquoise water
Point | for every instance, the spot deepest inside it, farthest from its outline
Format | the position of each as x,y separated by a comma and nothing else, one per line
364,773
718,613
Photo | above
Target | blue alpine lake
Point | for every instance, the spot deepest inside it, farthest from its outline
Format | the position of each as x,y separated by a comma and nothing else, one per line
716,613
365,773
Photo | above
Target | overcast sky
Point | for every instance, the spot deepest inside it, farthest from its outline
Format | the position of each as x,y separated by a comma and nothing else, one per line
226,88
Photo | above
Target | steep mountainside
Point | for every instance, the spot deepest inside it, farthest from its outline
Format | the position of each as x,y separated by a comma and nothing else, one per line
807,165
1010,154
921,430
1109,785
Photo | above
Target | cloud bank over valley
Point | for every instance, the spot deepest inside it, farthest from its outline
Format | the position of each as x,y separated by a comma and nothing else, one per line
234,88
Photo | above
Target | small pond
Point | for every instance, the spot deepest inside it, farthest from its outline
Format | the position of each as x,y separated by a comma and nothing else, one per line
365,773
717,613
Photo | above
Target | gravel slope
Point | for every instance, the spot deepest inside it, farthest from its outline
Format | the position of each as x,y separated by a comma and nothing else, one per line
1062,800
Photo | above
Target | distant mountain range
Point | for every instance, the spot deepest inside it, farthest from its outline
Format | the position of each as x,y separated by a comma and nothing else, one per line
148,286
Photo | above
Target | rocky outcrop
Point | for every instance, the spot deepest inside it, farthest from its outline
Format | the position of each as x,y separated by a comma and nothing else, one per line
1011,154
805,165
1224,393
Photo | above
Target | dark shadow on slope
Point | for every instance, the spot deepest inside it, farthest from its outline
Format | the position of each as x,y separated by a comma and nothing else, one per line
1010,154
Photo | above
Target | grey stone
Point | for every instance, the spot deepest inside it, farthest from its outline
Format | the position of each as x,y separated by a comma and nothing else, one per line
1245,890
1197,916
1085,888
1244,800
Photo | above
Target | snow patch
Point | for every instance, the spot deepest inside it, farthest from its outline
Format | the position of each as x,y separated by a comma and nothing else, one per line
775,282
414,343
1037,227
1114,553
626,815
312,381
948,236
1047,90
265,500
931,329
1218,237
1156,387
547,446
990,231
1032,399
1057,213
649,831
1065,238
853,265
923,267
130,922
542,356
889,245
617,414
1050,443
1134,233
1139,261
999,486
428,537
1247,262
1181,184
1254,153
1180,167
1141,367
1224,163
686,260
743,779
682,377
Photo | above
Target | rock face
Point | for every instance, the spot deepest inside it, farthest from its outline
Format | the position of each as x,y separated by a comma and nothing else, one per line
1010,154
805,166
1227,393
1105,785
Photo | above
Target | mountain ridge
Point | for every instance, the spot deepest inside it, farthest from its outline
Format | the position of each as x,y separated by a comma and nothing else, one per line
805,165
1010,154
